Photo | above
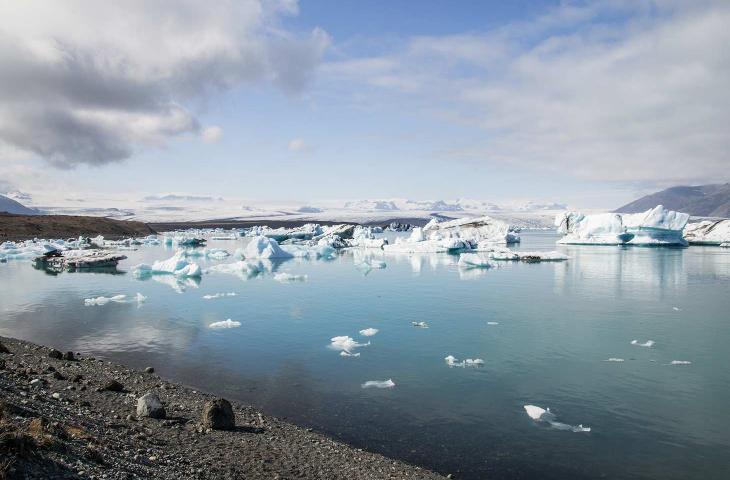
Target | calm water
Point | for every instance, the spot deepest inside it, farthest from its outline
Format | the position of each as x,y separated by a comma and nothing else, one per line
558,323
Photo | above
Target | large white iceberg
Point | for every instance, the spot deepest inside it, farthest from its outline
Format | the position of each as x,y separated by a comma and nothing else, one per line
264,247
708,232
657,226
177,265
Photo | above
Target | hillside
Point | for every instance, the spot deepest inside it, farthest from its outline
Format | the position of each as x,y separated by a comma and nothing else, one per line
21,227
699,201
9,205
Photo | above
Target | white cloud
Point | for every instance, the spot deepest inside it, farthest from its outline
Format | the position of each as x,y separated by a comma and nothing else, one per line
92,82
212,134
298,145
615,90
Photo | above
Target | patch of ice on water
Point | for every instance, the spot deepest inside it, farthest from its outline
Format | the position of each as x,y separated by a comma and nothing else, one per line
105,300
348,354
289,277
347,344
614,359
676,309
243,269
368,332
540,414
452,361
389,383
492,323
420,324
680,362
473,260
648,343
219,295
225,324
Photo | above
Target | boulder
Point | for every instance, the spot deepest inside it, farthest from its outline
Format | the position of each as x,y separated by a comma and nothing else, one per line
3,348
113,386
55,354
69,356
218,415
149,370
149,405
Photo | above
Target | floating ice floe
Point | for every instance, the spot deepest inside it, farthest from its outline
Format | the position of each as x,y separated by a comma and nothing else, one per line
364,237
452,361
657,226
680,362
73,260
676,309
540,414
214,253
264,247
225,324
176,265
492,323
346,345
648,343
369,332
318,251
420,324
243,269
139,298
289,277
708,232
389,383
614,359
528,257
219,295
474,260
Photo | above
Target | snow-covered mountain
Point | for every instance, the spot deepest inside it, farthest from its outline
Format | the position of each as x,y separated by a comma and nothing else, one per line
11,206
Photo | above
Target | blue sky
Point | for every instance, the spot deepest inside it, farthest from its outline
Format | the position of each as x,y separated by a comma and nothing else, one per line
588,103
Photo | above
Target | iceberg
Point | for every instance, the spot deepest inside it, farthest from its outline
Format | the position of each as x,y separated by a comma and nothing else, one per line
176,265
648,343
657,226
225,324
244,269
264,247
708,232
475,230
528,257
364,237
680,362
452,361
389,383
368,332
540,414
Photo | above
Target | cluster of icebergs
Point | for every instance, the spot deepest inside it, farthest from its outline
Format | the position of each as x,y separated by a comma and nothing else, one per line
656,226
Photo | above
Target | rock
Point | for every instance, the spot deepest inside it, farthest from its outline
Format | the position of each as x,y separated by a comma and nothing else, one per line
77,378
218,415
58,375
149,370
113,386
69,356
57,396
3,348
55,354
149,405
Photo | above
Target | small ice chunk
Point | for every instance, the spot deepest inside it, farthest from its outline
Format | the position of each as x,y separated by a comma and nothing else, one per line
105,300
140,298
289,277
680,362
420,324
473,260
264,247
676,309
368,332
389,383
345,344
348,354
648,343
614,359
452,361
540,414
492,323
219,295
225,324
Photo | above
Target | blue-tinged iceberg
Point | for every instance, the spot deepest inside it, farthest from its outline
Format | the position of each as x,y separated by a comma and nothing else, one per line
657,226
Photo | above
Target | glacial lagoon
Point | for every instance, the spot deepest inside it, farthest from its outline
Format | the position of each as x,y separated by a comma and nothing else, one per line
555,335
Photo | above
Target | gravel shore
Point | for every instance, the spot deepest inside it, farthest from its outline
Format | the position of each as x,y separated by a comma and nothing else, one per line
65,418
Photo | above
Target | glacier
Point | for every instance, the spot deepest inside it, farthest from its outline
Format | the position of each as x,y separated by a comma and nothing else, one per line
656,226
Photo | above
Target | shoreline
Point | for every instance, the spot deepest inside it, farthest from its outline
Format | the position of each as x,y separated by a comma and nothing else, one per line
58,421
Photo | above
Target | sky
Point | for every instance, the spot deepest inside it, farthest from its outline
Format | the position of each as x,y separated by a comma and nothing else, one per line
586,103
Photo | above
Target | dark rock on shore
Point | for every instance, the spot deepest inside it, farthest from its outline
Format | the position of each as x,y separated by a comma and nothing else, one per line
55,354
218,415
113,386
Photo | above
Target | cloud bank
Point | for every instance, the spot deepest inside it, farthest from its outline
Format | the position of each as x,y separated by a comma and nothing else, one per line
88,82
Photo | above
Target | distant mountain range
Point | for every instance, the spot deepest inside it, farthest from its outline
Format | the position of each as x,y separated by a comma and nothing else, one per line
698,201
11,206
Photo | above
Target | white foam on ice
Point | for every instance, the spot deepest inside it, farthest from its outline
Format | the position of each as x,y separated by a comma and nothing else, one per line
225,324
389,383
219,295
540,414
289,277
368,332
648,343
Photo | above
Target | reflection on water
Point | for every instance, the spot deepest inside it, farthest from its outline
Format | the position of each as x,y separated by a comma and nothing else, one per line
544,331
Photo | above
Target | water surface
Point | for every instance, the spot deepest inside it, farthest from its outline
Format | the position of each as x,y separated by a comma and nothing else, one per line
558,323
